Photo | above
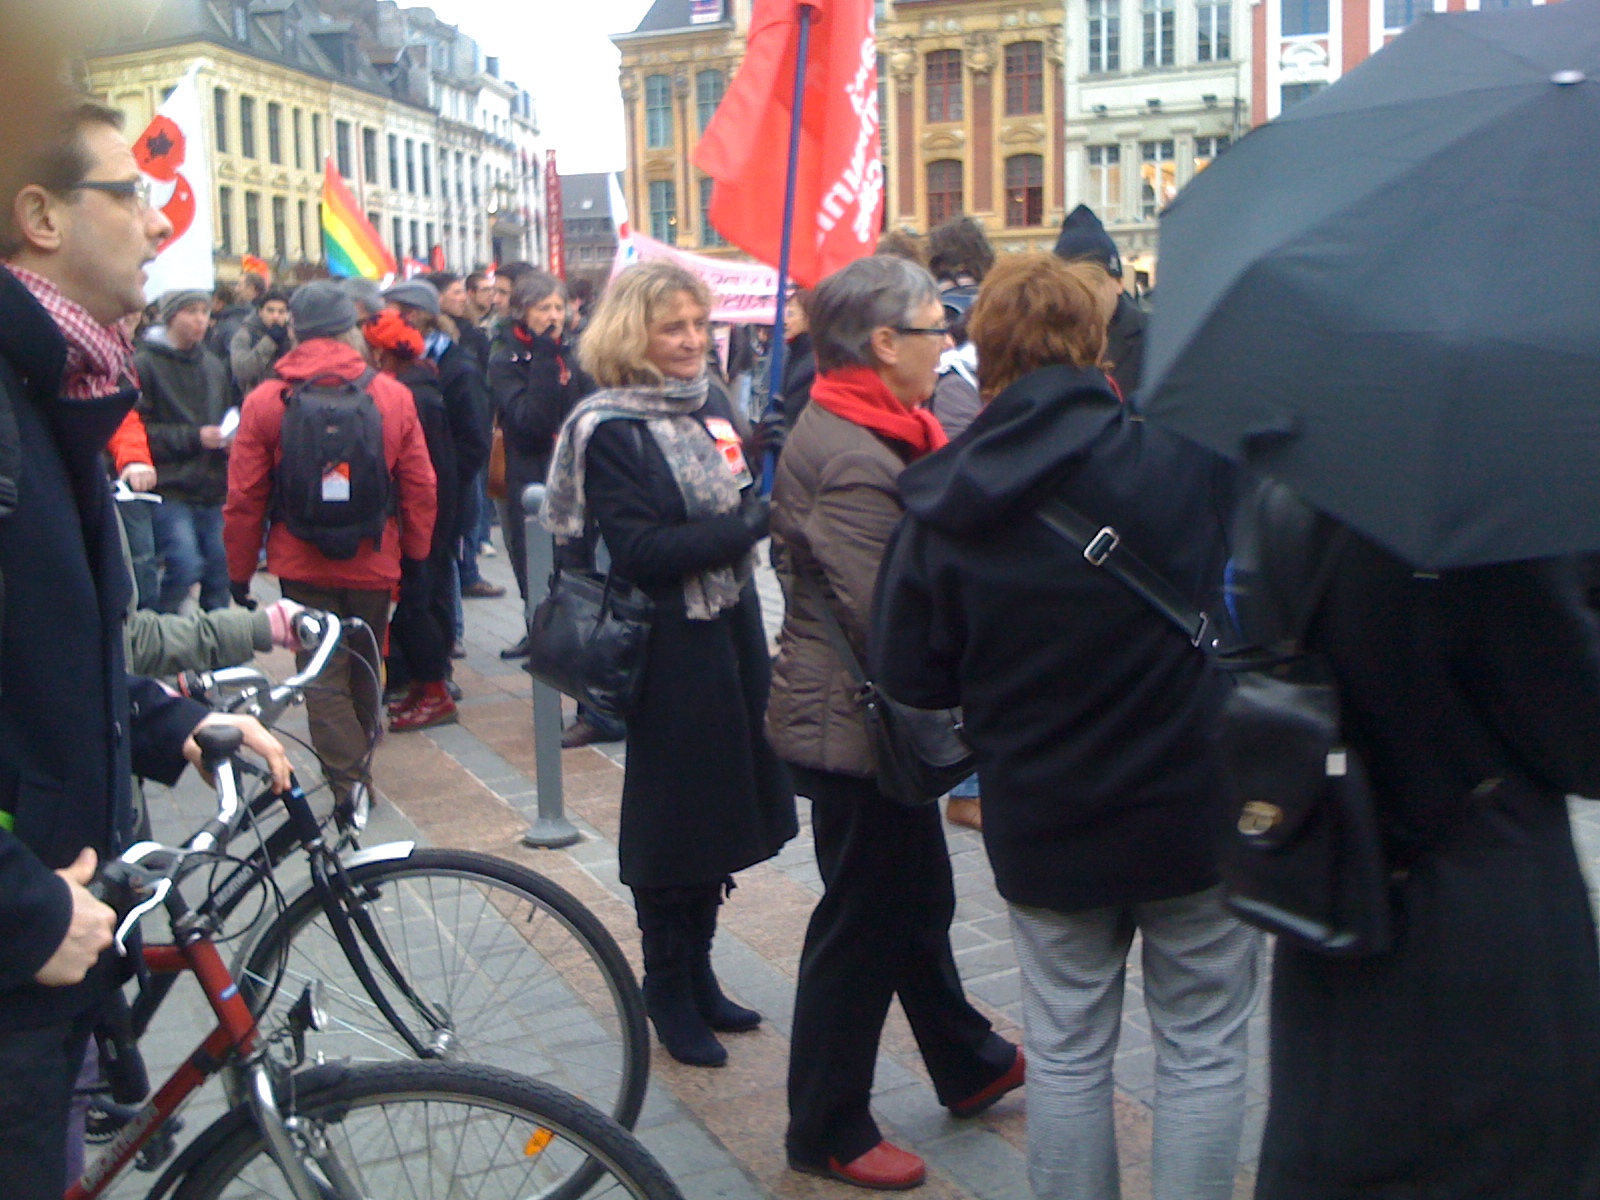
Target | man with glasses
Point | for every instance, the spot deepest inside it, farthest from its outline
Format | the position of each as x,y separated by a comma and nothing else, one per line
73,726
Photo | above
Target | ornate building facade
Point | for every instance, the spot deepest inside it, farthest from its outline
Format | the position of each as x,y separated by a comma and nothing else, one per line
970,97
441,154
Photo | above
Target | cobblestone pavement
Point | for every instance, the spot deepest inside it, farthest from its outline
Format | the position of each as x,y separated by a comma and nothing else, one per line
720,1133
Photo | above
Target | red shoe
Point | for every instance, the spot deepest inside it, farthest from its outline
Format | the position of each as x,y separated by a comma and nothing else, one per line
1014,1078
432,706
884,1168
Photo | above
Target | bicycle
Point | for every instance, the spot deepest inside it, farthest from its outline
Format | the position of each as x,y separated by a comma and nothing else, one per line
431,954
341,1131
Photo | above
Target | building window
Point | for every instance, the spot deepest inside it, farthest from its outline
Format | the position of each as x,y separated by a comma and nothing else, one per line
461,185
708,89
1159,16
1024,78
1397,14
341,149
944,191
944,85
252,223
427,240
399,238
1105,35
274,132
411,166
1214,42
1105,181
664,211
316,141
1291,94
657,111
444,179
1158,176
225,219
300,210
280,226
708,234
476,196
219,107
427,172
247,126
1024,191
1304,17
394,163
369,155
415,249
298,121
1206,149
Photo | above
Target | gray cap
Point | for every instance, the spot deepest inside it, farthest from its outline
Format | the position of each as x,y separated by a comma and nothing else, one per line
366,294
178,299
321,308
416,293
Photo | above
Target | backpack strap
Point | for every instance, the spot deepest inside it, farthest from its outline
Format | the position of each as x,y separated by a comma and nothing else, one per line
1101,546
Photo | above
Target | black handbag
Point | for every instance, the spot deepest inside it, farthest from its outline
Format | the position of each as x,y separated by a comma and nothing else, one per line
1307,863
588,638
920,753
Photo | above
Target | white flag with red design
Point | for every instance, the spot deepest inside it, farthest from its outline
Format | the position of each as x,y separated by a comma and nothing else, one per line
627,252
172,154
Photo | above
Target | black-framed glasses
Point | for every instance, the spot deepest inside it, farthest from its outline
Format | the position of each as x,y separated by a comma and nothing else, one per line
941,331
126,189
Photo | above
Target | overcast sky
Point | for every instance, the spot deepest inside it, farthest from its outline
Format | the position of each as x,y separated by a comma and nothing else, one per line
560,51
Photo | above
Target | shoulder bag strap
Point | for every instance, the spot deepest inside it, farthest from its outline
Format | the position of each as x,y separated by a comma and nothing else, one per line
830,623
1101,546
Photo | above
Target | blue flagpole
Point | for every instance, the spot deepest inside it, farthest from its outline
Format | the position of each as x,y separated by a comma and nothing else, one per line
779,349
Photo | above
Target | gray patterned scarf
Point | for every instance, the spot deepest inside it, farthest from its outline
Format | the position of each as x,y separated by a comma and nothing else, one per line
704,481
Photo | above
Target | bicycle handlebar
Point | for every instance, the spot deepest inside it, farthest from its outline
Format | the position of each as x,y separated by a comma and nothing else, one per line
258,696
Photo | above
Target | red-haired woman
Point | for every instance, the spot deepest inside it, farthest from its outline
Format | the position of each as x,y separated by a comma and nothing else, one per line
422,630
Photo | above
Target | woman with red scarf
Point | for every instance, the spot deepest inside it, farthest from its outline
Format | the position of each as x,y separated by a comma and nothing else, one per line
882,927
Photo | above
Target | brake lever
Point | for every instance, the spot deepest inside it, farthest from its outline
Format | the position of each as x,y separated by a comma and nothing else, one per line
133,889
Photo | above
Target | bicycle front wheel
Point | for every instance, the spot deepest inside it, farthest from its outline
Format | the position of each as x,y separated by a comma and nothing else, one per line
476,959
436,1131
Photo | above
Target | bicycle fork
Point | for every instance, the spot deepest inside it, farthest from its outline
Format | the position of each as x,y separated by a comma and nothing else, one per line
292,1141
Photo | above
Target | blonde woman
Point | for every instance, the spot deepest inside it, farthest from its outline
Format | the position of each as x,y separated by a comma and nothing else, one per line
654,462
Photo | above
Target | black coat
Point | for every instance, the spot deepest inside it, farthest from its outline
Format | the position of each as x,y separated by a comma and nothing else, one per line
535,382
1467,1061
426,394
1092,716
466,401
181,390
704,794
1125,345
68,733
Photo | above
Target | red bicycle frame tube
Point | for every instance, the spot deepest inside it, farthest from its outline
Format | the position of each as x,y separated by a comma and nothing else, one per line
235,1031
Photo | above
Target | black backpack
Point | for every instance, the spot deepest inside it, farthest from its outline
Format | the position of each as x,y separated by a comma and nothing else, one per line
332,487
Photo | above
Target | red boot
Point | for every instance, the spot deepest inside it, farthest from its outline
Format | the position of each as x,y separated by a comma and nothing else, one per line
429,705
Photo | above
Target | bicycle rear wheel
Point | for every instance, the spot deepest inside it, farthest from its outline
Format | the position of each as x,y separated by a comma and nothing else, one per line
435,1131
481,960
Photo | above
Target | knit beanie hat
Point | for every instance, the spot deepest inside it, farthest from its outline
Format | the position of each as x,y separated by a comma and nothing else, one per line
415,293
366,294
1082,236
321,309
175,301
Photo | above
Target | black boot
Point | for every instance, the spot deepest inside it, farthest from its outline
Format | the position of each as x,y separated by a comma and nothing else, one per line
719,1012
668,992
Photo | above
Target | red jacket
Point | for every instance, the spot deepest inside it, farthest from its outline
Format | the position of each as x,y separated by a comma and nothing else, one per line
257,451
130,444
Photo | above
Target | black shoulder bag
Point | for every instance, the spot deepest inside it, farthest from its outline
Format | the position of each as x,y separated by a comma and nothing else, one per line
1308,863
920,752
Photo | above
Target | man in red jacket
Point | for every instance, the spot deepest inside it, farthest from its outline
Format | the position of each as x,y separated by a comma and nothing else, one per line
343,714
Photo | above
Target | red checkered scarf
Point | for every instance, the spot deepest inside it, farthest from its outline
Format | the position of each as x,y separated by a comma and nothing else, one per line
99,357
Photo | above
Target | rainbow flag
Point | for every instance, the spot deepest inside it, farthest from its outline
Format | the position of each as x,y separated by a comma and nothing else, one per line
352,244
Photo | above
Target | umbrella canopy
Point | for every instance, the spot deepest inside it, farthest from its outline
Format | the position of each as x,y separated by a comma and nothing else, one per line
1389,297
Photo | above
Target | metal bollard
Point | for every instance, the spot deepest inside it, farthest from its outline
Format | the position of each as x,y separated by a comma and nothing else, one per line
550,830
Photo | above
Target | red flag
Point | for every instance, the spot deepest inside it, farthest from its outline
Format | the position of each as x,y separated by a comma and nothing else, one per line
839,179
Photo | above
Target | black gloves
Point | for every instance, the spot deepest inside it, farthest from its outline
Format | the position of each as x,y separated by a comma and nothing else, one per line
755,512
241,594
279,334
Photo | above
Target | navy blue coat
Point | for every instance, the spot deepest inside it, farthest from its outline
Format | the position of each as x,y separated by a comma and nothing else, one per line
73,726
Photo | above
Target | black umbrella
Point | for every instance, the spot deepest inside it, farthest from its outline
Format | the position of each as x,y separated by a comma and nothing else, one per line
1389,297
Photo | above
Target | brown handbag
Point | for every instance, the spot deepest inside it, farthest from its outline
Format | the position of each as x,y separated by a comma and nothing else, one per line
496,486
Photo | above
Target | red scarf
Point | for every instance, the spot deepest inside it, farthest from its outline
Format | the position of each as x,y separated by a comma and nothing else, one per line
860,396
99,357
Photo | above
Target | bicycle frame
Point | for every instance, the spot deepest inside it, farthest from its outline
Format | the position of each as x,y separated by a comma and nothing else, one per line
235,1038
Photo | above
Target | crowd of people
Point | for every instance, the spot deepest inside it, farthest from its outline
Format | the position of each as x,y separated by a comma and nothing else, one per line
350,440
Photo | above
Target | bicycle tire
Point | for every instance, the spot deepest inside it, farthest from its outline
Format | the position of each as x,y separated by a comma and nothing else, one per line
430,1131
528,978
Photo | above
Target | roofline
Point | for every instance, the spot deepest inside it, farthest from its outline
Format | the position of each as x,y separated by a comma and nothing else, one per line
638,35
212,40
